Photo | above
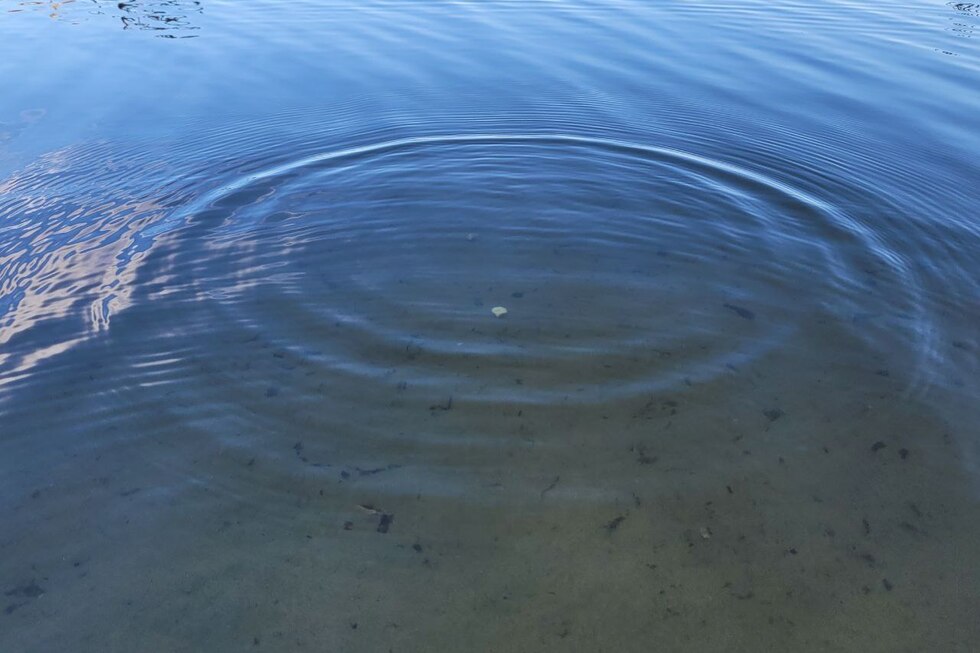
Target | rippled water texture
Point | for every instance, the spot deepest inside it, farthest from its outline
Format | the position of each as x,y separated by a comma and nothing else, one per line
254,394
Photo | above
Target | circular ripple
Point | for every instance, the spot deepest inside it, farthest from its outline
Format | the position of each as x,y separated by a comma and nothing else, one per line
330,317
624,268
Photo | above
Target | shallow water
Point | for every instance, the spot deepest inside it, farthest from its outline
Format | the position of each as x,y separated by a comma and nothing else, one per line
253,395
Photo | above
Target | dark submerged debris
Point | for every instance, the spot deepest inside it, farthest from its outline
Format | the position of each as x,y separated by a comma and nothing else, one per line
887,584
772,414
385,522
298,448
446,406
614,524
903,453
741,590
878,446
642,456
743,313
649,409
376,470
412,351
30,591
550,487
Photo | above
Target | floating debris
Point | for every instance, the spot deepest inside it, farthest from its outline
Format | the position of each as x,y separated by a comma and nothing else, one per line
498,311
705,533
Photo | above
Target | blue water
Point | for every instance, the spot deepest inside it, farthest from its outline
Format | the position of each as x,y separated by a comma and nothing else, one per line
254,394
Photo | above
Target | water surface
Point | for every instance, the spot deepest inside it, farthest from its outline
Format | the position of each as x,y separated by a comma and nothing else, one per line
253,395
